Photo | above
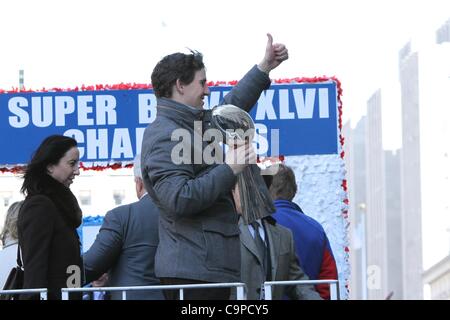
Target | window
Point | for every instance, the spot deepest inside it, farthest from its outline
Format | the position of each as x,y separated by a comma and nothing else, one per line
85,197
6,197
118,196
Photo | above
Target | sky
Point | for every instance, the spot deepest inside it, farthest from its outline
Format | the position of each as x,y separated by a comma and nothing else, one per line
69,43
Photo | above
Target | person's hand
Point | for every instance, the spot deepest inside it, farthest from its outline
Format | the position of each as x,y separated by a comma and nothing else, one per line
101,282
239,156
274,56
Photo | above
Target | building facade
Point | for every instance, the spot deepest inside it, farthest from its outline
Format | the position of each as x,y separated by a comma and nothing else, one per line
410,174
438,278
376,232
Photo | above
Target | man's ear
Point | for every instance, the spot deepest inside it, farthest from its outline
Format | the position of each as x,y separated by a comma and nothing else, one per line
139,184
179,86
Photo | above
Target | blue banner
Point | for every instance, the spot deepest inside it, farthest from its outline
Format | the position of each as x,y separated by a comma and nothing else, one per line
290,119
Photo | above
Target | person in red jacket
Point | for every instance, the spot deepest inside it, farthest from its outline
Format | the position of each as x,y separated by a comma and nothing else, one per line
311,242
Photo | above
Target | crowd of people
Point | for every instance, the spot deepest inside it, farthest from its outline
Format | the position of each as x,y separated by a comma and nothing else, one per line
185,226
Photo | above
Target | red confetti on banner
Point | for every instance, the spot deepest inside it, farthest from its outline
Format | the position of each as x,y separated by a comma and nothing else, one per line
344,184
113,166
345,213
15,170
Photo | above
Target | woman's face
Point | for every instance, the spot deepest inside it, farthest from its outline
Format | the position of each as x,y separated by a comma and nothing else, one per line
67,167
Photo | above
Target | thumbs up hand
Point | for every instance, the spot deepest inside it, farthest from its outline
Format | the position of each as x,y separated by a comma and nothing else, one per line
275,54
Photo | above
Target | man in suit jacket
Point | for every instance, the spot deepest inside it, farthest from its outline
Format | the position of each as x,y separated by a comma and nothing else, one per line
282,264
126,245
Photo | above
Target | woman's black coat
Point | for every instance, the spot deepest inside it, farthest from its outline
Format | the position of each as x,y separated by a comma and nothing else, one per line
49,241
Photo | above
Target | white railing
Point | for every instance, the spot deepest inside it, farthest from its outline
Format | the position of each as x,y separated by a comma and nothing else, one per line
42,292
334,292
241,293
240,289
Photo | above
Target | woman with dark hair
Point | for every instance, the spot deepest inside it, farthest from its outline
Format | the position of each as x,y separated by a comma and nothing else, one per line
49,217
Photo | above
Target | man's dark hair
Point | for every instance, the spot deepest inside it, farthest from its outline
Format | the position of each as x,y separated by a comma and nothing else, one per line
283,185
50,151
172,67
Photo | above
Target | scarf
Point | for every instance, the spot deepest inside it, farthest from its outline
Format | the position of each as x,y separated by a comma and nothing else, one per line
64,200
